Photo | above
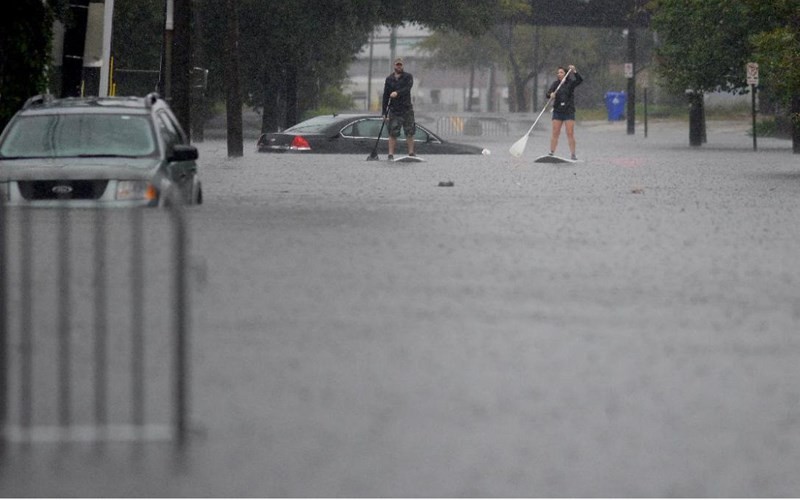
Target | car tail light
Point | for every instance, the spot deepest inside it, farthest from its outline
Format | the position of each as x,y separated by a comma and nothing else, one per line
299,143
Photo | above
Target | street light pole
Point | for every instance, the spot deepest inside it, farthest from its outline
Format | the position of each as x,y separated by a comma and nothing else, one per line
166,62
369,71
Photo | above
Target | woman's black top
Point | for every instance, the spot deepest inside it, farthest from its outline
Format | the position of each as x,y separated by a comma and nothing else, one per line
564,101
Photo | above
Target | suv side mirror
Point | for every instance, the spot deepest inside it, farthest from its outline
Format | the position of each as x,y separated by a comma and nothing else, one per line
183,152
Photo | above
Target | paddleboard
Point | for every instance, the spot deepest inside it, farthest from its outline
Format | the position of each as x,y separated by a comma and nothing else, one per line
408,159
553,159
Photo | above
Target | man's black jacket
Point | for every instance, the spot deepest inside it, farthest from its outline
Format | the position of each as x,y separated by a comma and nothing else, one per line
402,86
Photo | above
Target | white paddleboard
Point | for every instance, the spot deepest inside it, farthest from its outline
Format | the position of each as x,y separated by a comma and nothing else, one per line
553,159
408,159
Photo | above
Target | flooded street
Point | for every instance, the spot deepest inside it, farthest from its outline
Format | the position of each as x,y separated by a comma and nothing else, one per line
623,326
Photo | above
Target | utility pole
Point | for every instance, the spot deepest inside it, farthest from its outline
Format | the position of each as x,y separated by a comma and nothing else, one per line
233,97
535,92
181,85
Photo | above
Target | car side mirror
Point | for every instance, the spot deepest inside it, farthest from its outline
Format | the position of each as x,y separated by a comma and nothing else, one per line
183,152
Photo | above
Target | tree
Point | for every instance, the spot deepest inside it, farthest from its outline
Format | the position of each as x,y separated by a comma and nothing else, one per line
448,49
707,43
505,33
777,50
500,43
25,43
528,52
295,54
704,43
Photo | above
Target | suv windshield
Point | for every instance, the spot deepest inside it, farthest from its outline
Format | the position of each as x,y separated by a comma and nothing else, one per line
87,134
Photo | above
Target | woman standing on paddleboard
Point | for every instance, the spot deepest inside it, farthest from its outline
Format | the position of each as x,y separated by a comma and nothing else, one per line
564,106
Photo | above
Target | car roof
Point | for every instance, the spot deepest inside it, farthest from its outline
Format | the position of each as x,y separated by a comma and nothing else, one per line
324,123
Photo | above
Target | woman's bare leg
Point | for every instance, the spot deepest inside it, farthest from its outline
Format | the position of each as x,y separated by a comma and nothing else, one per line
571,136
556,133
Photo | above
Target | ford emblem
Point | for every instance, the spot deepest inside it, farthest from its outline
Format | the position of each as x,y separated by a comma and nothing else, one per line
62,189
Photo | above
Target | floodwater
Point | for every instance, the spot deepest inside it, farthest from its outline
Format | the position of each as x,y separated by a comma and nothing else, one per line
623,326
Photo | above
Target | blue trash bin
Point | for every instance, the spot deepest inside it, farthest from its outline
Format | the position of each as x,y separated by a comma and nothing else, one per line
615,104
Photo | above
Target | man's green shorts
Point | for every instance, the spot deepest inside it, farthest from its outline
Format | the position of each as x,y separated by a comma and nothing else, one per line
403,119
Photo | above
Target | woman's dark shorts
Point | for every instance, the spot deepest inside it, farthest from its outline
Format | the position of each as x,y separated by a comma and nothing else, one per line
403,119
563,116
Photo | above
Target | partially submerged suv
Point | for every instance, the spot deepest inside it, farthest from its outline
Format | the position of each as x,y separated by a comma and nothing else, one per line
97,151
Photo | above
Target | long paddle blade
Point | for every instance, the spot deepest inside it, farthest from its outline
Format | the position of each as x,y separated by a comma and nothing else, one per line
518,147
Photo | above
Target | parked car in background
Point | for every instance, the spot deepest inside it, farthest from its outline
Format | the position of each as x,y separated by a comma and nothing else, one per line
97,151
354,134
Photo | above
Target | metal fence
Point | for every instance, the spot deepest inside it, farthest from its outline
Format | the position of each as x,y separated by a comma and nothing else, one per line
472,125
94,325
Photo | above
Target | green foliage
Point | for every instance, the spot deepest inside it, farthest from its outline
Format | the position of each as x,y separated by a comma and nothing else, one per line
705,43
510,47
774,127
25,42
778,54
335,98
472,18
293,52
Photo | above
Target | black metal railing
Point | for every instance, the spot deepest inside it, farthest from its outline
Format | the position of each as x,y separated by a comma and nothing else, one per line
76,361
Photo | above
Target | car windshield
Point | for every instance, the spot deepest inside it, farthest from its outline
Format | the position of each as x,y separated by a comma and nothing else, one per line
313,125
70,135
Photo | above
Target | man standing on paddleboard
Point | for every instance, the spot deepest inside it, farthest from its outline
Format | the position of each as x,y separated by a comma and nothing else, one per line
400,111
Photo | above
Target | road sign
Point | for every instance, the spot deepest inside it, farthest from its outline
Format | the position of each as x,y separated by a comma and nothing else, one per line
752,73
628,70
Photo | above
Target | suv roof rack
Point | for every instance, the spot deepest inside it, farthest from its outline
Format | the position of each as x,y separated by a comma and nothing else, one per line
151,99
37,100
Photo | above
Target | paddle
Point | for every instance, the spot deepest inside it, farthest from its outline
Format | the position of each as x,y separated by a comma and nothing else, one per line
374,155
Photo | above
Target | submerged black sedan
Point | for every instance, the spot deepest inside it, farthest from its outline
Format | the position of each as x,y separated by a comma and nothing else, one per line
354,134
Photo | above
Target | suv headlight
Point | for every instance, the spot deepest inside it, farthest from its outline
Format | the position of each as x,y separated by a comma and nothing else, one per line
136,190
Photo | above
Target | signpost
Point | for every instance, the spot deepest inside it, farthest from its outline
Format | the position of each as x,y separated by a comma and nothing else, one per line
752,80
